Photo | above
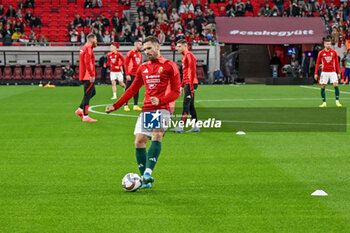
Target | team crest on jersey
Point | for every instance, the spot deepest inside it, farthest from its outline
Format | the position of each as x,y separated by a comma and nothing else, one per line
160,69
328,59
113,60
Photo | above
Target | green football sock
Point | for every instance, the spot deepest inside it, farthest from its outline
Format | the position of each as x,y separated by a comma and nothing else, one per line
336,92
323,94
153,154
141,155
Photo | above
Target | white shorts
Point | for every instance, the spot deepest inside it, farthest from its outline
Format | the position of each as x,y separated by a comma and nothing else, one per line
117,76
326,77
140,127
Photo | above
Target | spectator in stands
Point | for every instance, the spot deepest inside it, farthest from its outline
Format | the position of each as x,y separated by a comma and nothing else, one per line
248,7
28,16
88,21
2,10
279,4
162,17
229,6
70,26
114,36
16,35
88,4
179,35
161,37
20,5
105,21
126,26
275,12
183,8
97,3
293,9
174,14
240,11
107,38
68,72
141,6
265,10
34,42
115,20
310,14
164,4
135,25
11,13
78,21
34,22
190,7
239,2
43,41
74,37
29,4
231,13
19,27
198,6
82,37
211,17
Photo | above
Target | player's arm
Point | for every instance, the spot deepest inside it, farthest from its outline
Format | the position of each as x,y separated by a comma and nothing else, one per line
89,64
192,72
127,66
108,62
132,90
174,86
317,65
122,60
337,64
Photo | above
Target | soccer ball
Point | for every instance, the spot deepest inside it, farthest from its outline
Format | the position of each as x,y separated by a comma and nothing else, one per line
131,182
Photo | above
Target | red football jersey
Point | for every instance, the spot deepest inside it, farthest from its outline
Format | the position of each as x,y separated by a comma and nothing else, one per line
157,75
330,62
189,69
86,63
133,60
116,61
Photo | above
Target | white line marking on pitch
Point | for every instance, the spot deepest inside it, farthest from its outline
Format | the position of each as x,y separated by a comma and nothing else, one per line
317,88
229,121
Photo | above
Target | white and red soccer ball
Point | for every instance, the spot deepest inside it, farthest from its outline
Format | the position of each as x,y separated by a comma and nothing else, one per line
131,182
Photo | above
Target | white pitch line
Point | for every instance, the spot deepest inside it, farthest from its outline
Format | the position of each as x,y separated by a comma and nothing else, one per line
317,88
248,122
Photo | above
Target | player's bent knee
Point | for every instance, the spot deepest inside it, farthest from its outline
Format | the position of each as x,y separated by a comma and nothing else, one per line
157,135
141,141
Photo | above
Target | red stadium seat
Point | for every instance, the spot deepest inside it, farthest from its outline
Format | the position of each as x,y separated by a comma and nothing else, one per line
28,74
48,73
7,73
98,72
200,73
58,73
17,73
38,73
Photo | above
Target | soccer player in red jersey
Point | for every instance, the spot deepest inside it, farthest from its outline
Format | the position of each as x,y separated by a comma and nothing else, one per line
116,60
158,75
133,60
189,84
87,76
330,71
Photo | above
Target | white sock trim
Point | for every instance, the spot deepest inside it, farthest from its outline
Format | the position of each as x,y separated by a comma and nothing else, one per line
148,170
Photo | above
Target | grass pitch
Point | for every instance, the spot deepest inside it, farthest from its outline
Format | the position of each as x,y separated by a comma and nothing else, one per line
58,174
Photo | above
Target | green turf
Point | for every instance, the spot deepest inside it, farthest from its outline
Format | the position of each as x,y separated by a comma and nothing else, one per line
58,174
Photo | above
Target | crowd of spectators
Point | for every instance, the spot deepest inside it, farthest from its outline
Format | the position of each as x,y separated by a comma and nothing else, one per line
13,22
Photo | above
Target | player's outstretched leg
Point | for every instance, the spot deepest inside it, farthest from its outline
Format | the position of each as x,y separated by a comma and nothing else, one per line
153,154
337,92
114,90
323,95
